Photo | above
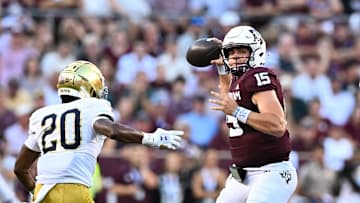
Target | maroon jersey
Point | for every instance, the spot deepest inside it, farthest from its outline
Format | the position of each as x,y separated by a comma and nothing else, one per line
250,147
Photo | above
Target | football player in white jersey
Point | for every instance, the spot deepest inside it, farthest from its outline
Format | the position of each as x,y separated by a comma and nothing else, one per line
68,137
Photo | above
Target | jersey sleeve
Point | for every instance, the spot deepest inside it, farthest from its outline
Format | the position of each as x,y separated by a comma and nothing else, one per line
103,110
34,132
260,79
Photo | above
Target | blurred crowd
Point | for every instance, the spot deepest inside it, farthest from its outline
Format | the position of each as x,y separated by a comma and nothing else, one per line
140,47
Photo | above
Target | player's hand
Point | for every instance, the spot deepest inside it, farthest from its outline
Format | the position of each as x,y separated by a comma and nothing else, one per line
163,139
223,102
219,61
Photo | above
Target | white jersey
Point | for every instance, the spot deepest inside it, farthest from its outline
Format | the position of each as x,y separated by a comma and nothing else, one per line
64,135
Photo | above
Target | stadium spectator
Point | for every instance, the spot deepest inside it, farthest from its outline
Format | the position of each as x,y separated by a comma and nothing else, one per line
50,90
136,11
6,193
338,148
136,181
7,116
305,138
347,188
139,60
14,54
352,127
117,44
194,30
338,105
17,133
286,56
33,80
170,9
324,9
316,181
90,51
16,95
171,188
209,179
179,65
311,82
196,119
54,61
92,8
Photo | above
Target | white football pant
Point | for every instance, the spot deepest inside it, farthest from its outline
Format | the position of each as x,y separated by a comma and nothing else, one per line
270,183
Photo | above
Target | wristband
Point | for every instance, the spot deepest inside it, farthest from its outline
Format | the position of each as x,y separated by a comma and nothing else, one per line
146,140
222,70
241,114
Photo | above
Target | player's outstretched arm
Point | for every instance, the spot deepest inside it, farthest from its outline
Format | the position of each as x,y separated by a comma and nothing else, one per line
22,167
169,139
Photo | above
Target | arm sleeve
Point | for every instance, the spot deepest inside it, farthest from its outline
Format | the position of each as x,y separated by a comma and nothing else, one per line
103,110
34,133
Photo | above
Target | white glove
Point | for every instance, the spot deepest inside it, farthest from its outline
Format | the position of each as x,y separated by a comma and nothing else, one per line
169,139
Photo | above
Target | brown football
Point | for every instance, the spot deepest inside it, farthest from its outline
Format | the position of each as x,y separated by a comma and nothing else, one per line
202,51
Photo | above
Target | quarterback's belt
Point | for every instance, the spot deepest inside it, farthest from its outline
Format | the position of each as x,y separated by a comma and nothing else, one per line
237,172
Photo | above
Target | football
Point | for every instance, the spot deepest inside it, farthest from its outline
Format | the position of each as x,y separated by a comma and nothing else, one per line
202,51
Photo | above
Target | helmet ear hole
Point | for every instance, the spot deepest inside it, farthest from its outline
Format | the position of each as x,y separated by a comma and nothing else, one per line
93,93
226,52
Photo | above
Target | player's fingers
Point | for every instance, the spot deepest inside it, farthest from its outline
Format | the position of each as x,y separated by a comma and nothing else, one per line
177,132
177,138
215,101
215,94
217,108
170,146
218,61
166,146
175,143
215,39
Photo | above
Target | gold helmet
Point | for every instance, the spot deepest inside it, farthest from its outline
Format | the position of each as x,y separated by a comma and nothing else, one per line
81,79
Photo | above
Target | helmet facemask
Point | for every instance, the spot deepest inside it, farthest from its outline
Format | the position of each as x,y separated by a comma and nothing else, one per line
238,68
103,93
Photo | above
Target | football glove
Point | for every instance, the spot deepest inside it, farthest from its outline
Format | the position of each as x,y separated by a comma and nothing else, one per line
163,139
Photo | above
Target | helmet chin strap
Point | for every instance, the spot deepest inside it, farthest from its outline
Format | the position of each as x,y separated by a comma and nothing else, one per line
225,61
239,69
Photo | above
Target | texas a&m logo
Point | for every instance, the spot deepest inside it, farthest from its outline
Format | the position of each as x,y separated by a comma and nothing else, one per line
236,93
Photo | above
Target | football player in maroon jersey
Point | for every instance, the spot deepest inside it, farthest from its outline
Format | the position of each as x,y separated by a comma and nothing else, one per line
251,97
